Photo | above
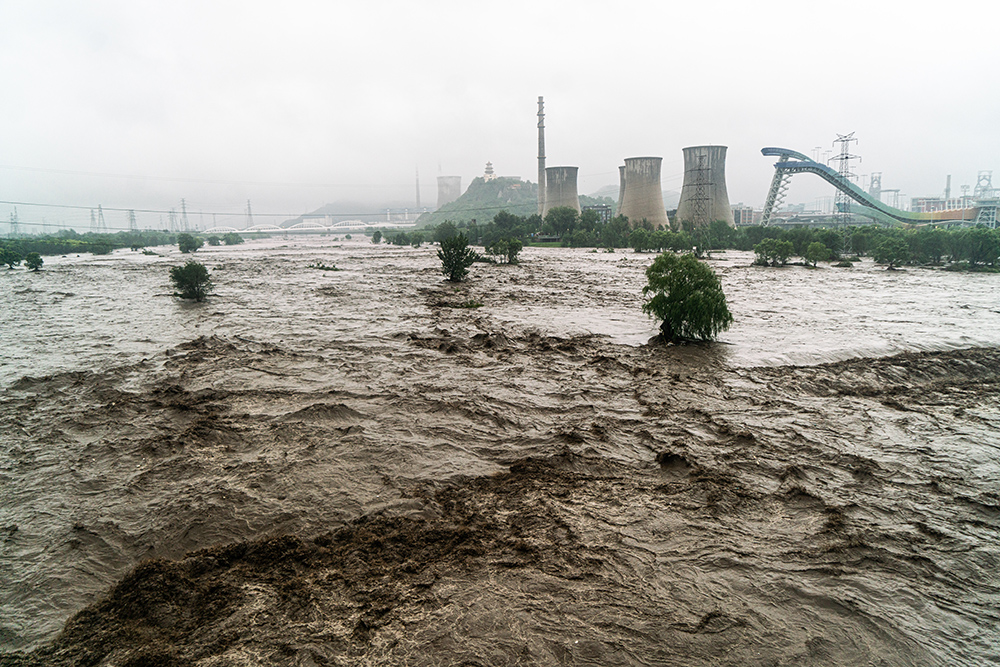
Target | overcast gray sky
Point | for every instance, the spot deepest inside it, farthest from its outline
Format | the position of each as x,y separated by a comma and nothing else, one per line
134,104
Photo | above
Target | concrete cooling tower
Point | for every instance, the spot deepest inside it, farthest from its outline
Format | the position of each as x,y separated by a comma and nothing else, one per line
642,197
449,189
704,198
560,188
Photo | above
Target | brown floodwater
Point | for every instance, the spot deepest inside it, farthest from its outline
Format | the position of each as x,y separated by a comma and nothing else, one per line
349,467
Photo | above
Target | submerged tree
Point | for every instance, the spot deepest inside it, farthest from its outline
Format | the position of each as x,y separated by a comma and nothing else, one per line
456,257
687,295
10,256
893,251
191,280
187,243
33,261
816,252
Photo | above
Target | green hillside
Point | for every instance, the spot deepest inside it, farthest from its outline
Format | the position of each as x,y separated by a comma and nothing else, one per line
484,199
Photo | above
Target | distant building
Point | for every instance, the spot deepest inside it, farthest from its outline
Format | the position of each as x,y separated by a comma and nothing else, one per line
603,210
931,204
744,215
488,175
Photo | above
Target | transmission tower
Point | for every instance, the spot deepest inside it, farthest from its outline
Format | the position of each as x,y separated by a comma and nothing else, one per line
700,201
173,220
184,216
102,227
249,215
93,221
842,202
15,228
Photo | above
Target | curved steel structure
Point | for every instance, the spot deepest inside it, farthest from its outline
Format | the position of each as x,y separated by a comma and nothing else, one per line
792,162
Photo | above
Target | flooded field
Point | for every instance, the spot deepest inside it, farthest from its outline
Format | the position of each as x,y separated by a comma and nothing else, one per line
350,467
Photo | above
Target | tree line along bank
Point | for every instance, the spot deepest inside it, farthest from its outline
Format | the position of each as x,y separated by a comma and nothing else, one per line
974,248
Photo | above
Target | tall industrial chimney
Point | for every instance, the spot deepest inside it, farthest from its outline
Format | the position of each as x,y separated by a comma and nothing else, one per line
642,197
560,188
947,190
449,189
704,198
541,157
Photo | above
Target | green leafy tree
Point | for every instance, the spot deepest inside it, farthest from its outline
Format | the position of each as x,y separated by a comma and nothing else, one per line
377,236
214,240
456,257
638,240
232,238
892,251
10,256
505,251
416,239
187,243
687,295
33,261
817,252
981,245
772,252
191,280
560,220
445,231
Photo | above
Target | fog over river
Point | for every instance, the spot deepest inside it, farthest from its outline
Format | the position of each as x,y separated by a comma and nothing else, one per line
349,467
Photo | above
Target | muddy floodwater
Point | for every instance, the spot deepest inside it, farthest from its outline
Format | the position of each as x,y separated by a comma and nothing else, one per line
372,466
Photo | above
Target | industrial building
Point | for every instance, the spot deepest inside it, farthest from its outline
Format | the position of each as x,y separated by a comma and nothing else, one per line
704,198
449,189
640,194
560,188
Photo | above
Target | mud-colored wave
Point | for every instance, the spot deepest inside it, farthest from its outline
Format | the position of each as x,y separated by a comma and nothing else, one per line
411,482
569,500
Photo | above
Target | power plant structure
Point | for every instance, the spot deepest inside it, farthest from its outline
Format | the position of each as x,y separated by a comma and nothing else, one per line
541,156
449,189
640,196
560,189
704,198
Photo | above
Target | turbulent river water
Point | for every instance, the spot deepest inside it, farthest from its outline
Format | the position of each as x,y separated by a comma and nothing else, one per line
351,467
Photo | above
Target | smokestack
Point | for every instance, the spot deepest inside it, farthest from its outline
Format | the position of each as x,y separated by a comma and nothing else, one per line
541,157
449,189
704,198
418,187
621,189
642,196
560,188
947,189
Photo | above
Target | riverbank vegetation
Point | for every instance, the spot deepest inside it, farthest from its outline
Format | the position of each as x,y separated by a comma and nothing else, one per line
975,248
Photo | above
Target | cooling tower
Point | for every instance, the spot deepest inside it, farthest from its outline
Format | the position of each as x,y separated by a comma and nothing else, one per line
704,198
449,189
642,196
560,188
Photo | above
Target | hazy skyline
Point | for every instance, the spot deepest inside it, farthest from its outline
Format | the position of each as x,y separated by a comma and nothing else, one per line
138,104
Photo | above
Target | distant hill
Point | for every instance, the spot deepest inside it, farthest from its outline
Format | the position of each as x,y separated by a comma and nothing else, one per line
484,199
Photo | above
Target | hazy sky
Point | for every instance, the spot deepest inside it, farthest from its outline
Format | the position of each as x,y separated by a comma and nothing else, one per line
134,104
